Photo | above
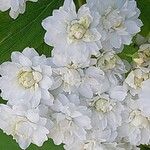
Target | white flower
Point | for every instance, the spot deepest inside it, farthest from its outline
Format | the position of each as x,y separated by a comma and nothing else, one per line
107,108
16,6
84,81
95,144
106,117
136,125
26,126
118,21
26,79
110,61
94,141
135,79
142,57
74,35
94,81
113,66
70,120
69,77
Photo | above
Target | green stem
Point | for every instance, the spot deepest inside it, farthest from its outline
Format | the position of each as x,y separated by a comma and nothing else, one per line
81,2
129,55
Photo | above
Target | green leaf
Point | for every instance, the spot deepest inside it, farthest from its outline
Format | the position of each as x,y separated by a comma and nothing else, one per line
79,3
26,31
128,52
144,6
144,147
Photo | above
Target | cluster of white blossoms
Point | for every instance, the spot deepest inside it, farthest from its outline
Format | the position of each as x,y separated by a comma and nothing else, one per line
80,96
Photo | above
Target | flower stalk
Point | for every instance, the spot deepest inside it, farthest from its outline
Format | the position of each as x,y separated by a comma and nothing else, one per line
81,2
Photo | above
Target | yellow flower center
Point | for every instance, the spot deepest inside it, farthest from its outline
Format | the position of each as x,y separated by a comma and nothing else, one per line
139,80
137,119
78,28
104,105
107,63
28,79
77,31
143,56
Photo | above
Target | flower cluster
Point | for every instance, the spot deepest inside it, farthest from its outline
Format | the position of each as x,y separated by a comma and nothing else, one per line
80,96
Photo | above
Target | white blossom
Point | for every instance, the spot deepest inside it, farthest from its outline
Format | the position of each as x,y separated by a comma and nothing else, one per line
93,82
118,21
92,145
70,120
95,144
95,140
26,79
135,79
70,78
142,57
16,6
107,109
113,66
74,35
136,125
25,125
